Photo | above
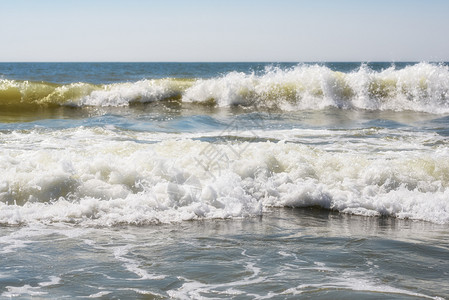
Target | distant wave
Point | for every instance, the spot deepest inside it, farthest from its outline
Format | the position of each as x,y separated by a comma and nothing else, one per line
422,87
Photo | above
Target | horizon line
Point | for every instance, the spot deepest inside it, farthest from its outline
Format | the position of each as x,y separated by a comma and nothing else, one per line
241,61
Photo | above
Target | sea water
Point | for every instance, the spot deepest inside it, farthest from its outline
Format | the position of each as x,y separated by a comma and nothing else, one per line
224,180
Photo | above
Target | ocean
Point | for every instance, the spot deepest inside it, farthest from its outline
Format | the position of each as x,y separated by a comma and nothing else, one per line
224,180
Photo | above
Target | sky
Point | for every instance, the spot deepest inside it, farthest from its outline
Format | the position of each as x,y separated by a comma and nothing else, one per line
232,30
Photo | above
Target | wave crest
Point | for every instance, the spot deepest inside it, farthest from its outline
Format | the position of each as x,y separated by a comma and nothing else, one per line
422,87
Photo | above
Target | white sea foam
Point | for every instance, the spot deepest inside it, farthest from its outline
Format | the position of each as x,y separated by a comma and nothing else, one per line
16,291
103,177
54,280
355,282
132,265
193,289
99,294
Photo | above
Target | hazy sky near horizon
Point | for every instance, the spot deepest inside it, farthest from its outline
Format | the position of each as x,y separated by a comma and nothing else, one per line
244,30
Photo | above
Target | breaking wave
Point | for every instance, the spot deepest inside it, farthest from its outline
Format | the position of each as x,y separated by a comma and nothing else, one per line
121,178
422,87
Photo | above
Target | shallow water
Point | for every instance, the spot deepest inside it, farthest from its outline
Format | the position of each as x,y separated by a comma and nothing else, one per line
287,253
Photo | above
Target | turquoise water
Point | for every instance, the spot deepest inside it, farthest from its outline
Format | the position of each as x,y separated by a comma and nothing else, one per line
224,180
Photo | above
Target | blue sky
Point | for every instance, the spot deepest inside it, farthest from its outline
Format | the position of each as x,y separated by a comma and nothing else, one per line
281,30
